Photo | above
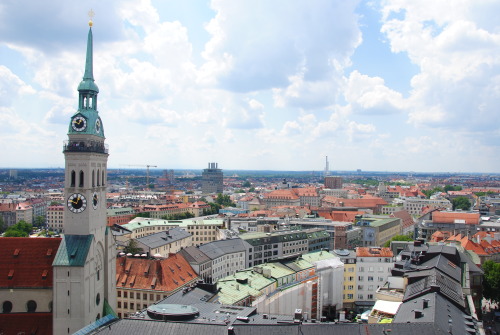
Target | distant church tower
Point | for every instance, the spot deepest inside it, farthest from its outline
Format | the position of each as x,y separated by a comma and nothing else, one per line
84,267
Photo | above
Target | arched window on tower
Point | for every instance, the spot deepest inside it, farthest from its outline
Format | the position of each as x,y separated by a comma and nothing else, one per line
102,177
93,178
31,306
73,178
91,100
81,179
98,177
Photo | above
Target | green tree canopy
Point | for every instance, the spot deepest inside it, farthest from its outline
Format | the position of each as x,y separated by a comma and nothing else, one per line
452,188
461,203
491,281
20,229
224,200
143,215
246,184
132,248
398,238
39,221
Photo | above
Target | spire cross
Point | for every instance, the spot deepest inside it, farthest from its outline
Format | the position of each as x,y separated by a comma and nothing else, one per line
91,15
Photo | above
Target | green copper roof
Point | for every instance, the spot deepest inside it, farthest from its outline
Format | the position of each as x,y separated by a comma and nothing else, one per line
88,83
73,250
317,256
87,100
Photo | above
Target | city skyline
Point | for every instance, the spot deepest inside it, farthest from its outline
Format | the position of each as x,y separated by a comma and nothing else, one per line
258,85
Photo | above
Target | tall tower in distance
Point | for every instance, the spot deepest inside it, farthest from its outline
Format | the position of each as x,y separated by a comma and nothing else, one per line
327,168
212,179
84,266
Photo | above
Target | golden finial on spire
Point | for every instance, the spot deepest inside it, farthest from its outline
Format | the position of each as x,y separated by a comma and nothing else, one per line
91,15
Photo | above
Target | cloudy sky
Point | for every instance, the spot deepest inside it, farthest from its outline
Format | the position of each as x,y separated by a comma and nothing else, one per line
258,85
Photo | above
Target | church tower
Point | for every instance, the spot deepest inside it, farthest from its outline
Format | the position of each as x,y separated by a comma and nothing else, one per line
84,267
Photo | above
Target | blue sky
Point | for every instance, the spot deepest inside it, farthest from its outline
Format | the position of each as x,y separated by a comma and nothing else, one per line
386,85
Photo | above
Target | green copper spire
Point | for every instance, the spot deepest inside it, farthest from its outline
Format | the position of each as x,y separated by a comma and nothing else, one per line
87,84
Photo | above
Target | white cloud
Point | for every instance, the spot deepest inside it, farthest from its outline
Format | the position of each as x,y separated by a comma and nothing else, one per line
458,83
262,45
369,95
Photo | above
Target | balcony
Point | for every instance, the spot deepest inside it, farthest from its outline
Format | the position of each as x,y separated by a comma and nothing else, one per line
85,146
389,294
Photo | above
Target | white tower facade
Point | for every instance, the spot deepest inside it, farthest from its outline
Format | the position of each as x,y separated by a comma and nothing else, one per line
84,267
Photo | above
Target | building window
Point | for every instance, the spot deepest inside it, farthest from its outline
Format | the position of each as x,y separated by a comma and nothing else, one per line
370,278
370,296
73,178
31,306
81,179
350,296
6,307
119,304
125,294
125,305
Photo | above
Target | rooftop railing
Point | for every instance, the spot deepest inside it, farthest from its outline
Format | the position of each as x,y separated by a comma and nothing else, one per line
85,146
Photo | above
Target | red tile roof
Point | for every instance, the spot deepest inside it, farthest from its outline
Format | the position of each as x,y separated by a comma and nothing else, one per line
166,275
373,252
452,217
26,323
27,262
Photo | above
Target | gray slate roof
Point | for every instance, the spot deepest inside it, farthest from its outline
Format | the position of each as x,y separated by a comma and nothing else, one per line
220,248
165,237
439,311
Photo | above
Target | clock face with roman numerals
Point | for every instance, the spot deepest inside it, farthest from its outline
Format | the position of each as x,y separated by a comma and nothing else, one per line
77,203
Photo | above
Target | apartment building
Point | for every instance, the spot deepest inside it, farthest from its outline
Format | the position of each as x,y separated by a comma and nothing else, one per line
141,281
227,257
262,247
202,230
120,215
415,205
55,218
373,267
348,257
378,229
165,243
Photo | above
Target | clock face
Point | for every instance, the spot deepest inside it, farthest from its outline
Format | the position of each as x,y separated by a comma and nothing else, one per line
95,200
77,203
79,123
98,126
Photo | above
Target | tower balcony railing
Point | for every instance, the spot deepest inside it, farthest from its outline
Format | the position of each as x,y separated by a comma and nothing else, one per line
85,146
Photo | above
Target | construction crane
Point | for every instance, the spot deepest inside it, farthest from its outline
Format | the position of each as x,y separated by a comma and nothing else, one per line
147,171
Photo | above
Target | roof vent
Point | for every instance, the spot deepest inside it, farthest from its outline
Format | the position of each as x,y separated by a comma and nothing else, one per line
418,313
49,252
73,253
44,274
11,274
16,252
153,283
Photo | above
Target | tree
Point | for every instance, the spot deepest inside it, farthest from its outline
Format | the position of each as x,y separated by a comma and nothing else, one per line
246,184
461,203
398,238
491,281
39,221
452,188
2,225
20,229
143,215
252,189
132,248
224,200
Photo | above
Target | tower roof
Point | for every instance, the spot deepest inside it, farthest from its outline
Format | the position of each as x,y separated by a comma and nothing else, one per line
87,83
